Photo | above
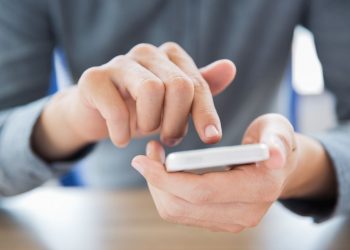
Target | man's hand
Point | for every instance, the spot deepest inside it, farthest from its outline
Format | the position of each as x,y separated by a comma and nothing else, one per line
148,90
239,198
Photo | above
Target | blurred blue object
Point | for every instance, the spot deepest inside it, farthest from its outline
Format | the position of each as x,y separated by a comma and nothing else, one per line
73,177
293,99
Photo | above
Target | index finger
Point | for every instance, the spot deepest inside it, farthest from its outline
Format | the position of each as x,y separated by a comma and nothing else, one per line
205,117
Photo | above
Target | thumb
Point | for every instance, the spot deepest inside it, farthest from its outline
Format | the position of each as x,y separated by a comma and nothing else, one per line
278,150
155,151
277,133
219,75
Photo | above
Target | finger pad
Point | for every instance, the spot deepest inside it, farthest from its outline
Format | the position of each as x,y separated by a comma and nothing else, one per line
220,75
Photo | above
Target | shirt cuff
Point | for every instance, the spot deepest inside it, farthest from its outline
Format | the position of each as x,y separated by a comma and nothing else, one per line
20,168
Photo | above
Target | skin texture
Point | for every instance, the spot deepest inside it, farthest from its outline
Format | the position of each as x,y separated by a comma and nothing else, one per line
154,90
238,199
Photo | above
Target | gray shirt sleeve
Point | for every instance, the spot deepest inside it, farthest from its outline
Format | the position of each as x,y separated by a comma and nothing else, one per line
26,46
20,168
329,21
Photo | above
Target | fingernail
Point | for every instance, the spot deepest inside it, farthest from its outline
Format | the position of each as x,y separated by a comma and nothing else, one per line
171,142
211,131
138,166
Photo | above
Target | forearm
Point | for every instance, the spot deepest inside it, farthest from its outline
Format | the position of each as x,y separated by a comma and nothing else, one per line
54,136
314,177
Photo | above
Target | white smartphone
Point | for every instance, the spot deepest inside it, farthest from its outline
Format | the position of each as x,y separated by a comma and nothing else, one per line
215,159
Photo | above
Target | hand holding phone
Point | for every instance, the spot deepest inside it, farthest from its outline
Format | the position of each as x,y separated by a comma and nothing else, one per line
216,159
214,197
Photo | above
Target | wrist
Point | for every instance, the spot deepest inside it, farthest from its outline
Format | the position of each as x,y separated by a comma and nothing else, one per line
313,176
54,136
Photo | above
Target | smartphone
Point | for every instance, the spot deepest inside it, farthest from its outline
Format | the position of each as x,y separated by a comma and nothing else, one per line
216,159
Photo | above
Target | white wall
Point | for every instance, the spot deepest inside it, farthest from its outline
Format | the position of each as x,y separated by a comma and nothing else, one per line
315,105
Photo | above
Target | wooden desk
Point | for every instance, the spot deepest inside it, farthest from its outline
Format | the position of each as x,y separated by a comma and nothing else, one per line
74,219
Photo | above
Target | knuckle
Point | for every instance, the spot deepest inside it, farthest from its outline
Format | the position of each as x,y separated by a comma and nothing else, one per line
153,85
118,60
143,49
91,80
172,47
93,74
181,85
